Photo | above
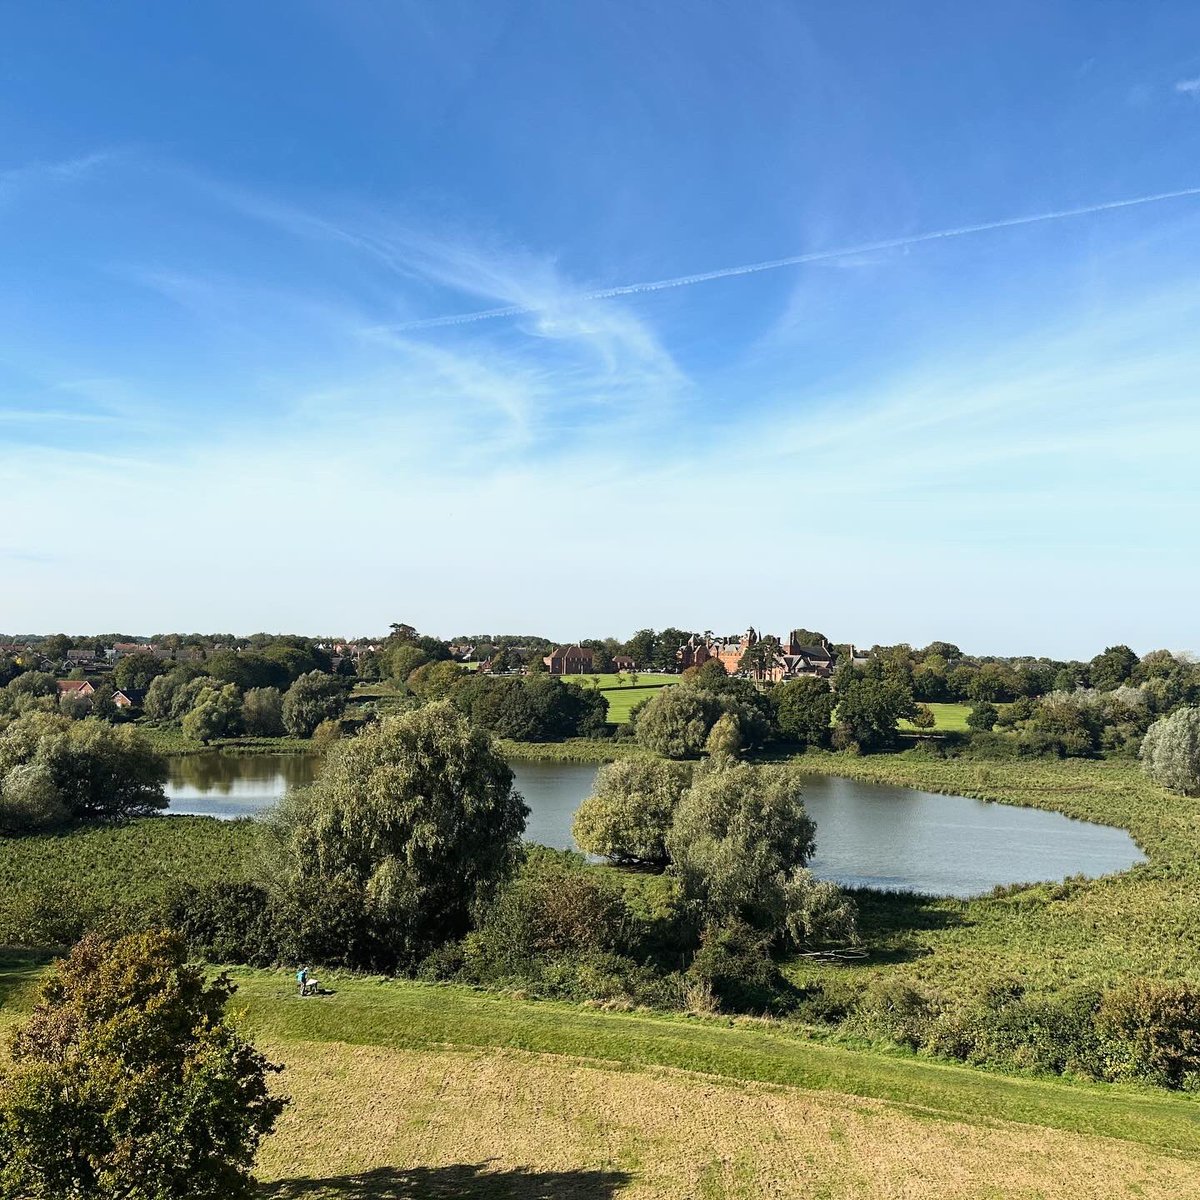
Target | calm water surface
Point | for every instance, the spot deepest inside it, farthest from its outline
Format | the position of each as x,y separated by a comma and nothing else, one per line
868,835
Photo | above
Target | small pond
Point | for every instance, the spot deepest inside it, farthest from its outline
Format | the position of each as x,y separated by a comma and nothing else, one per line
868,835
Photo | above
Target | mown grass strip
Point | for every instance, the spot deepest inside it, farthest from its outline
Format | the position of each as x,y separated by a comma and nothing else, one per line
416,1016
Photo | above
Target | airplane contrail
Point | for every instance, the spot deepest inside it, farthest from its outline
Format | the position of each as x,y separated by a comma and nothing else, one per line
795,260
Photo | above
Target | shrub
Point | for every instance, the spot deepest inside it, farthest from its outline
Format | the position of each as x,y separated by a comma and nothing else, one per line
895,1010
129,1052
550,910
225,922
1151,1029
734,966
983,717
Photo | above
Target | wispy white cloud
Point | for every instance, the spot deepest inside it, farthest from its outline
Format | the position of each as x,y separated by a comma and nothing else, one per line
518,308
1188,87
15,181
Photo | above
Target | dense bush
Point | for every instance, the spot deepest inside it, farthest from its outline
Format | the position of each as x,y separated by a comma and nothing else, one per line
1151,1029
554,907
734,972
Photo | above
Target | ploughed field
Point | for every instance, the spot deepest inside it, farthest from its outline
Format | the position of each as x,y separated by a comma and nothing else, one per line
411,1090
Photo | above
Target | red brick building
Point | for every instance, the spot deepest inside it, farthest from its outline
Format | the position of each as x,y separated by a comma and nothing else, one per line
569,660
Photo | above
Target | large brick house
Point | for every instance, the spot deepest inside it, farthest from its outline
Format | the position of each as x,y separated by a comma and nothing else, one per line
569,660
792,660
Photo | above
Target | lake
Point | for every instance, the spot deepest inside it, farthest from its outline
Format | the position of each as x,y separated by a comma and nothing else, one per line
868,835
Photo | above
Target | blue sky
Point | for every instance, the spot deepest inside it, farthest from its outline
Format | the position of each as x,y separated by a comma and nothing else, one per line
231,235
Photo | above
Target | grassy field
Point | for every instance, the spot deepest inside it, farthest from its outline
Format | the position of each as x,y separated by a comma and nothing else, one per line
621,694
948,718
409,1090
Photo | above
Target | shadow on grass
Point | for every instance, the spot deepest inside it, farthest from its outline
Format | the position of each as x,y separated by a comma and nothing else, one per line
465,1181
892,924
19,971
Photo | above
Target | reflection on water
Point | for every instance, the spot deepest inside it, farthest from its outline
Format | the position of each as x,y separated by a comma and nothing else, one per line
213,784
868,835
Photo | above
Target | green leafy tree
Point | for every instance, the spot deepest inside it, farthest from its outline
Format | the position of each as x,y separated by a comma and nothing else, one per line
55,647
435,680
415,821
405,659
29,801
32,683
1112,668
666,645
98,772
869,708
737,837
137,670
676,721
994,682
102,704
1171,752
803,710
759,658
216,713
313,698
724,741
628,815
642,648
262,712
128,1082
983,717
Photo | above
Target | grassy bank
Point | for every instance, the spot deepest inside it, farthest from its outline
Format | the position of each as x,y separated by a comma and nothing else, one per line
582,750
1047,937
404,1089
170,740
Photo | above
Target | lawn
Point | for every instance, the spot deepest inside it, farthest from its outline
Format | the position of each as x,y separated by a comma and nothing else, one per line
411,1090
948,718
621,693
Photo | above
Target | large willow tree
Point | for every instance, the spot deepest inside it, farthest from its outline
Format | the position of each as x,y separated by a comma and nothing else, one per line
413,824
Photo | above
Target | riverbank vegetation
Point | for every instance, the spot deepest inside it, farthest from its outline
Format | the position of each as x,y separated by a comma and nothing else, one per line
1016,980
